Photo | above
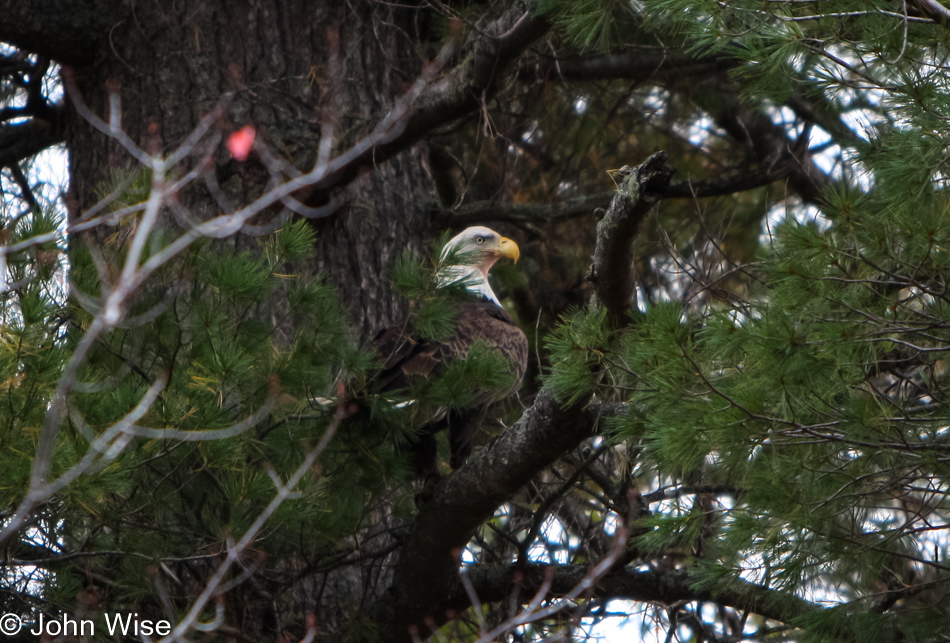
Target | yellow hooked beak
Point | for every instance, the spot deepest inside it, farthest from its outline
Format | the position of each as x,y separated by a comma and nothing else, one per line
508,248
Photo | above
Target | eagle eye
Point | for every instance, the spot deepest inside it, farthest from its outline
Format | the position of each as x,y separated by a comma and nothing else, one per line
479,240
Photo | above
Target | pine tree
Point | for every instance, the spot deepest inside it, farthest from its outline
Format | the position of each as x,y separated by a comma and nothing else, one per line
735,428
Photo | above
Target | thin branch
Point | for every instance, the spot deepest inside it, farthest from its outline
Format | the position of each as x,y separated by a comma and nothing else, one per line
459,92
518,213
585,586
24,140
493,584
284,492
934,10
112,129
26,193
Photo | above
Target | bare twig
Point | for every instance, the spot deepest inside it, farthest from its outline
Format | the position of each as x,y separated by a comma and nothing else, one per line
284,491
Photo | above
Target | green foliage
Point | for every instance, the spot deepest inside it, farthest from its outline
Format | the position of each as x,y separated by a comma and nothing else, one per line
588,25
459,385
228,333
421,281
819,402
432,287
32,354
815,400
578,349
782,390
792,404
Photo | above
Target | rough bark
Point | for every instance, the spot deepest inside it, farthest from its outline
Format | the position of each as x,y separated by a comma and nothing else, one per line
612,269
172,63
464,500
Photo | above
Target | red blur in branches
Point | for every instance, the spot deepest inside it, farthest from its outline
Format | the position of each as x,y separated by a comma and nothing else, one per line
240,142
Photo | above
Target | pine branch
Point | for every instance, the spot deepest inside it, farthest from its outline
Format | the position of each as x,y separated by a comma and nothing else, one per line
822,112
464,500
468,497
657,65
63,30
18,142
495,584
484,211
523,214
460,91
26,193
767,142
612,269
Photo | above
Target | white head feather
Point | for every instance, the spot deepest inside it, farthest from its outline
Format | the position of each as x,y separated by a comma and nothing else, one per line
480,248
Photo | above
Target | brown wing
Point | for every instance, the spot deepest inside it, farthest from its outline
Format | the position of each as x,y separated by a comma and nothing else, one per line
404,356
483,321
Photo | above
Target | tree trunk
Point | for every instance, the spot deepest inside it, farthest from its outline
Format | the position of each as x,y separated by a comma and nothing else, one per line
172,63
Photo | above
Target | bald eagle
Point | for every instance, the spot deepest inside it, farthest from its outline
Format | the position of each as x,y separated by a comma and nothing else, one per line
480,318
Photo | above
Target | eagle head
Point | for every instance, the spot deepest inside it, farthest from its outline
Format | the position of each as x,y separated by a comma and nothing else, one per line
478,248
